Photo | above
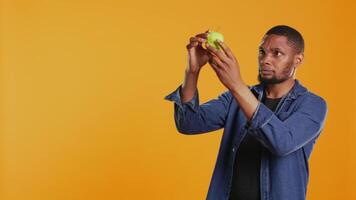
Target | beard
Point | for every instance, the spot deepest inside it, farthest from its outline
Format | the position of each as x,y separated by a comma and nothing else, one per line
287,73
272,80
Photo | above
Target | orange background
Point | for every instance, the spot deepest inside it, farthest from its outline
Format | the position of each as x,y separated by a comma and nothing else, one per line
82,86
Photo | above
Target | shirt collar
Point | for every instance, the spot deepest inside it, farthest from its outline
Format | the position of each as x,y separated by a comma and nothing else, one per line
297,89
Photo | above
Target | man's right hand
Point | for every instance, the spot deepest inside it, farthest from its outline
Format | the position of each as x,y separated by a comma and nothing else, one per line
197,55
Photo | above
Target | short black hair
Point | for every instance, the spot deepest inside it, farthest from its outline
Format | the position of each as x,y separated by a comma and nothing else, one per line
293,36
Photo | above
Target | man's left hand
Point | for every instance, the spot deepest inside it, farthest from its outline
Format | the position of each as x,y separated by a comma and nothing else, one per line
225,65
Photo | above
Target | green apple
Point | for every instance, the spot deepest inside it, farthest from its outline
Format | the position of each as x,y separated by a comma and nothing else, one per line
212,37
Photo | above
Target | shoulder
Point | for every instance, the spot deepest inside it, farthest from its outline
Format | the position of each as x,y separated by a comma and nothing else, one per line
308,97
314,105
315,98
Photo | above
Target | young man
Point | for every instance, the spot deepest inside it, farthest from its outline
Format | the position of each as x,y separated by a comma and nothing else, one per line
269,129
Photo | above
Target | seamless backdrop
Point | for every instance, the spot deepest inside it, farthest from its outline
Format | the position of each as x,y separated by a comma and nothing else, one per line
82,114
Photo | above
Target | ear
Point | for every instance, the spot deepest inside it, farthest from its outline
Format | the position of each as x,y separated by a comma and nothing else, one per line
298,59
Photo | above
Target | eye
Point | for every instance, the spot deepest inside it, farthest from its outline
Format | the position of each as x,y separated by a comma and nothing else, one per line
278,53
261,52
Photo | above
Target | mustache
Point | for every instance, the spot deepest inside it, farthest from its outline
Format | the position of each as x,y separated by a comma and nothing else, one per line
261,68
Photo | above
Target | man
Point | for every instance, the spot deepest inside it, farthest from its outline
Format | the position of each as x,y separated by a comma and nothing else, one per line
269,129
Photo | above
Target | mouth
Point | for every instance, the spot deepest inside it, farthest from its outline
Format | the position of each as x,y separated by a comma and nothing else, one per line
266,72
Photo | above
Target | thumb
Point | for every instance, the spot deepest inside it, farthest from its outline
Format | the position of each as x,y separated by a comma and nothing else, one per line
191,45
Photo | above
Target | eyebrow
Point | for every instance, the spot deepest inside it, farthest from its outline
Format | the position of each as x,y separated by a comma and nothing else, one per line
261,48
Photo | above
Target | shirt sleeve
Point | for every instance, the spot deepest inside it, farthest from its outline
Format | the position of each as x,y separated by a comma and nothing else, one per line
175,97
193,118
284,136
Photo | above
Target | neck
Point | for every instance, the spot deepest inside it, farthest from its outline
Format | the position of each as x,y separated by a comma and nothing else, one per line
278,90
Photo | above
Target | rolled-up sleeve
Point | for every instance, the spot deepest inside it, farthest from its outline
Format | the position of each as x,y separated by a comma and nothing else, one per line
193,118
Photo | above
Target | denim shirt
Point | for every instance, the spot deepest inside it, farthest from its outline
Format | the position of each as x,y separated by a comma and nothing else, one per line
287,136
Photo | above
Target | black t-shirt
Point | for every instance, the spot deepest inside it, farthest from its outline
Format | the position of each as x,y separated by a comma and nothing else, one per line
246,174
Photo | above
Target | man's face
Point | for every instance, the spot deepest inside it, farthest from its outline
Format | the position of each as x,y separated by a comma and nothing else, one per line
277,59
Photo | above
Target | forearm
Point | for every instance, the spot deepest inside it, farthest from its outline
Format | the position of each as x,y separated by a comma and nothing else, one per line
245,98
189,85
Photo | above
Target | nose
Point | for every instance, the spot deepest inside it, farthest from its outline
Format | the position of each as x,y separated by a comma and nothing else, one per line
265,60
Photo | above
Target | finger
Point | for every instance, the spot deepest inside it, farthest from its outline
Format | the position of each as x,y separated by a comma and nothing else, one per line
218,62
226,49
201,40
197,39
191,45
203,35
217,52
214,66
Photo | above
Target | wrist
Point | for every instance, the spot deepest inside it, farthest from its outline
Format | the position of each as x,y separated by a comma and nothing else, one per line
237,87
190,72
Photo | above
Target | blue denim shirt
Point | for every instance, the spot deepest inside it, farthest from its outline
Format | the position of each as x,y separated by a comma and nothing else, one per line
287,136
